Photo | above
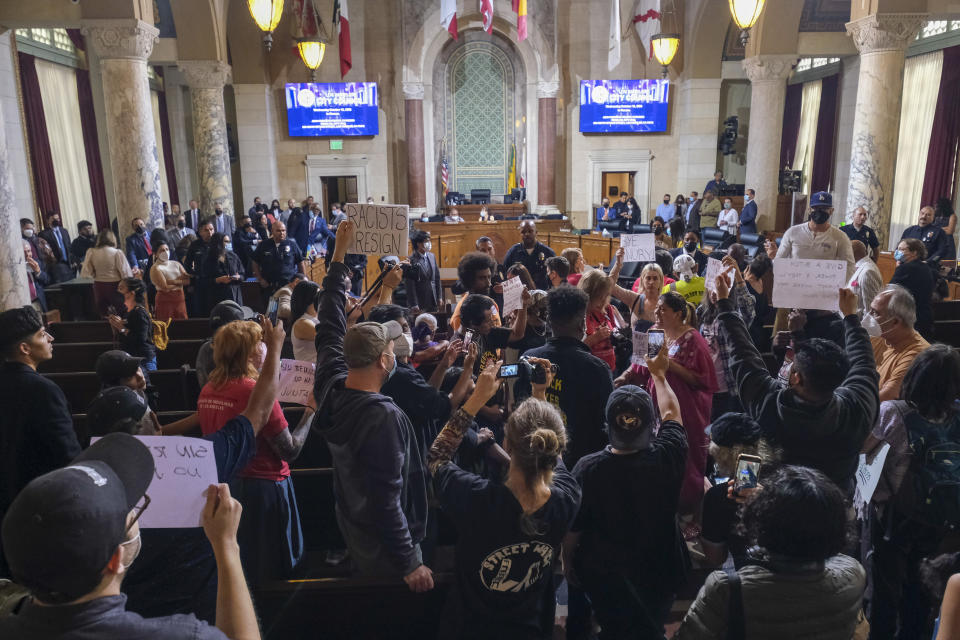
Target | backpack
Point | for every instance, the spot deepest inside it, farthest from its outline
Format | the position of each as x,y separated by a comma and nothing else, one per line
930,493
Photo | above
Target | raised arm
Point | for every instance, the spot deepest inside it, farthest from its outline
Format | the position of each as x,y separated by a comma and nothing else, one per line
264,392
862,378
332,323
666,399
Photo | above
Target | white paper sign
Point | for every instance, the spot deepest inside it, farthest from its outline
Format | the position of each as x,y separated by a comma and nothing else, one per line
808,284
868,476
183,469
381,229
638,247
715,268
512,295
296,381
639,348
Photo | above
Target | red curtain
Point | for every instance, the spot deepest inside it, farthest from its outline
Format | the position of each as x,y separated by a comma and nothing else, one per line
938,180
167,149
791,125
91,147
41,159
823,156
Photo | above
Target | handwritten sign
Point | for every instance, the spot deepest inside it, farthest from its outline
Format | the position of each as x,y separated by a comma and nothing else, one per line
381,229
638,247
714,268
639,355
512,295
183,469
808,284
296,381
868,476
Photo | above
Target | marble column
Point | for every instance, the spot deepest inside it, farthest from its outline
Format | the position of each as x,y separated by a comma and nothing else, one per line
416,162
546,147
768,92
14,289
256,138
122,47
206,79
882,40
698,106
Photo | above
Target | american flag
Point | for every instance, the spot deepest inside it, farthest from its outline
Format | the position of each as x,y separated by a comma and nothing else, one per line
444,170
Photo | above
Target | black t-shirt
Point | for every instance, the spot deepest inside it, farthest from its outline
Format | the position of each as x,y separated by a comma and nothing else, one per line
138,341
917,278
720,518
427,408
628,514
489,346
503,584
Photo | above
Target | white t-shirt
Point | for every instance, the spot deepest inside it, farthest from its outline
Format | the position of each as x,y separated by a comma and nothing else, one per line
727,220
801,243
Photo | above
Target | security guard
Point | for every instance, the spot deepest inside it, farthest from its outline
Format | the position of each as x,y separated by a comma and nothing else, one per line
860,231
277,259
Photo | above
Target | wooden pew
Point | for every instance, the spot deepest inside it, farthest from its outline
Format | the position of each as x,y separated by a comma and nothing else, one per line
100,330
946,310
81,356
178,388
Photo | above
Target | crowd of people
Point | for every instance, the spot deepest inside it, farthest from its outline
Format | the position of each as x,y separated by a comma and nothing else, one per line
559,452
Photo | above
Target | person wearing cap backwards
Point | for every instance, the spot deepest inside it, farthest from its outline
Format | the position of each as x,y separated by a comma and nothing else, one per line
625,548
379,476
36,429
817,239
72,535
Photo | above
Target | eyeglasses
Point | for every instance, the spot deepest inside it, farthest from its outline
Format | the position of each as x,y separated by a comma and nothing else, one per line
139,509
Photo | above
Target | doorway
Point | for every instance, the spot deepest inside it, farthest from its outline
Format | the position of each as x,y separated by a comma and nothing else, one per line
615,183
342,189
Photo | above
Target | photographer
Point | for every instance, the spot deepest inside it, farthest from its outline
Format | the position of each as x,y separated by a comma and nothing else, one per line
602,318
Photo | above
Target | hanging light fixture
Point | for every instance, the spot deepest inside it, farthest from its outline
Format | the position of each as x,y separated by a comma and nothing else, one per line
745,15
312,47
267,14
665,47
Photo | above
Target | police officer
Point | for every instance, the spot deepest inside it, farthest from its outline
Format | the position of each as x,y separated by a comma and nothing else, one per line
197,294
277,259
531,254
860,231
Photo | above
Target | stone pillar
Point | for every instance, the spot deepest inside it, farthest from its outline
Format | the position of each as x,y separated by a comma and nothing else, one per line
416,162
206,79
698,103
768,85
123,46
546,147
257,141
882,41
181,133
14,288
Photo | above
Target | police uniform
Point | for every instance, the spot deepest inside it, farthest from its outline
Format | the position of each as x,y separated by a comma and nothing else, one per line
535,261
278,263
933,237
866,235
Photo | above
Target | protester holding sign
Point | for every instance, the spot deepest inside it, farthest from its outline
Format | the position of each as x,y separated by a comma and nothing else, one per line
381,229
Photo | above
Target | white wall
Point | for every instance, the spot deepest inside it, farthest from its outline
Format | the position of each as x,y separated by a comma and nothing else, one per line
16,149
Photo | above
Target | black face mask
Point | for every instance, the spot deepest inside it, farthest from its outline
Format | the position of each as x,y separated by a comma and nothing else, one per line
819,216
181,224
141,230
55,222
658,231
690,246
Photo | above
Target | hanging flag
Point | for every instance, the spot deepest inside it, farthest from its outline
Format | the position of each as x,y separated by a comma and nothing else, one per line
486,12
512,167
613,50
448,16
523,165
306,15
647,21
520,7
341,19
444,170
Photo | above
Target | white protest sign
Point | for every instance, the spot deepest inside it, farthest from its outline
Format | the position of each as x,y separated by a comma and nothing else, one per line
296,381
808,284
382,229
638,247
714,268
639,355
512,295
183,469
868,476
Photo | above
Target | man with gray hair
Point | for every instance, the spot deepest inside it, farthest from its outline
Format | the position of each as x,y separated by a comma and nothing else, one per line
896,343
379,479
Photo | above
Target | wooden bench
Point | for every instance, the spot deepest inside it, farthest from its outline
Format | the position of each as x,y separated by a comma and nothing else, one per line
82,356
946,310
100,330
178,388
947,331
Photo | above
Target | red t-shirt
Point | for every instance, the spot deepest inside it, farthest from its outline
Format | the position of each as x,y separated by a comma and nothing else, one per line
216,406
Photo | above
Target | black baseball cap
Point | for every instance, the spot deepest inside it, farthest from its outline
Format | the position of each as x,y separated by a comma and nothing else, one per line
732,429
630,415
62,529
228,311
116,365
18,324
114,405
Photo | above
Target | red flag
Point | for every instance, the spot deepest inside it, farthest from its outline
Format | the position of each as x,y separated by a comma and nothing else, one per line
342,20
448,16
486,12
520,6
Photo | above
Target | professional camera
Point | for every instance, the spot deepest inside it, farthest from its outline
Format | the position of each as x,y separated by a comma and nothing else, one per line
528,374
728,139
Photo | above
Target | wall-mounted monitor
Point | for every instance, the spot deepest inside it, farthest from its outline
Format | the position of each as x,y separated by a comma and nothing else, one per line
623,106
334,109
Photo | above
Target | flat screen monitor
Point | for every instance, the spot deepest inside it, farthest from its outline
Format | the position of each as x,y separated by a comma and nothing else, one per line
335,109
623,106
480,196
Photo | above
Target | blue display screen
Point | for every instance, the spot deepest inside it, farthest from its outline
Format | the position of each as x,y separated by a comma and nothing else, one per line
337,109
623,106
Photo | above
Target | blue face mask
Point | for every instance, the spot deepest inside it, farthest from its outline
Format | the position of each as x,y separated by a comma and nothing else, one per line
393,369
228,246
898,255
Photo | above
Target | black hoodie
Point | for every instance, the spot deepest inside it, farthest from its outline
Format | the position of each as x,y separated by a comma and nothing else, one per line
379,479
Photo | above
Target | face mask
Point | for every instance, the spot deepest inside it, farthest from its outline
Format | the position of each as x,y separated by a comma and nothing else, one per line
690,246
747,198
28,233
181,224
141,230
55,222
668,232
428,246
726,205
872,327
819,216
228,246
658,230
259,356
690,200
403,347
666,201
163,256
139,545
219,212
898,255
393,369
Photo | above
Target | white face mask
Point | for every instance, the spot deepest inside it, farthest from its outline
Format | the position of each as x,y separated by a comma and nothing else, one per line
163,256
28,233
136,539
428,246
403,346
873,328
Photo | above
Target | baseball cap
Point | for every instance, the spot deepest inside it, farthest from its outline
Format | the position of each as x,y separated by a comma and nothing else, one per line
228,311
629,415
116,365
62,529
732,429
821,199
18,324
365,341
112,406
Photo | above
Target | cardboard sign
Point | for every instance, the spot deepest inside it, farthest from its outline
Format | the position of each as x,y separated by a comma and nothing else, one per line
868,476
639,356
808,284
638,247
296,381
512,295
184,469
715,268
381,229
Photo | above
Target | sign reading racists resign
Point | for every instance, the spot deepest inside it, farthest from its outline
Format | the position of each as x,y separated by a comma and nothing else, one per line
382,229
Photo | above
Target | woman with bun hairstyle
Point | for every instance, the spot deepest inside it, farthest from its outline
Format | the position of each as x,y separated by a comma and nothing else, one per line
510,533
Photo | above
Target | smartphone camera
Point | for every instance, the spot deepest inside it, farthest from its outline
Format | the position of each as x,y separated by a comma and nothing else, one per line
654,342
272,308
748,472
509,371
